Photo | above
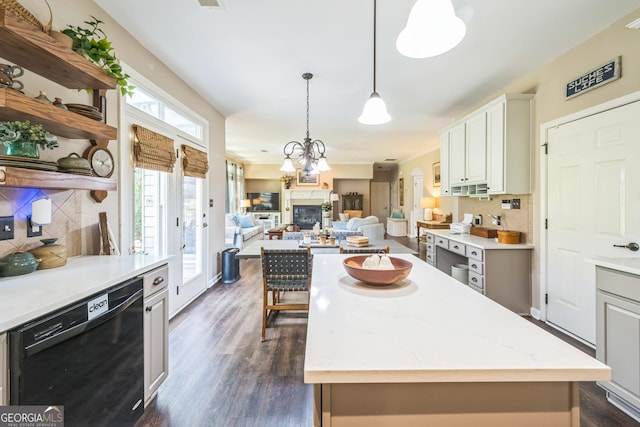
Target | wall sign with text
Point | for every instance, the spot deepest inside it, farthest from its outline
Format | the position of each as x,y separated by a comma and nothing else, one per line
603,74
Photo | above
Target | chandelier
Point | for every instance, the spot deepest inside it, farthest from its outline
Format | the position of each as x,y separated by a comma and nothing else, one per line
311,153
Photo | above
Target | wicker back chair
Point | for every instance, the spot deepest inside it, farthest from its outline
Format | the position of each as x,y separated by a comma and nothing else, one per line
363,250
284,270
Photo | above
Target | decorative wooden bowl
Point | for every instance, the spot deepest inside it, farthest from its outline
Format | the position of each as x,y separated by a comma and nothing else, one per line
353,267
508,237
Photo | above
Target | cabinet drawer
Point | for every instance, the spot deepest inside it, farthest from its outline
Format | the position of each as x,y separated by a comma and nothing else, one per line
477,266
442,242
475,253
431,247
477,289
459,248
431,258
476,279
431,238
155,280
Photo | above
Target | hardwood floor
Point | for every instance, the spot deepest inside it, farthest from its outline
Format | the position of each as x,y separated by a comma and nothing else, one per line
222,375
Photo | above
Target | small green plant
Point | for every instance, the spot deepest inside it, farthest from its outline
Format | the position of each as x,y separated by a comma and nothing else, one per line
26,132
92,43
327,206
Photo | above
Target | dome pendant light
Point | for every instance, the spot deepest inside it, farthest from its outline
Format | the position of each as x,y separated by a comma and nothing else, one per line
432,29
375,111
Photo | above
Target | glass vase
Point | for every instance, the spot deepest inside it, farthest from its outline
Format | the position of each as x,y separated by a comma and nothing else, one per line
22,149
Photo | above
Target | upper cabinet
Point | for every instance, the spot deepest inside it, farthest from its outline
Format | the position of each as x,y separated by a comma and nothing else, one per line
34,50
489,151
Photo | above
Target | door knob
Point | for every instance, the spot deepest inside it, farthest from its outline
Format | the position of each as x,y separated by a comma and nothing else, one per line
633,246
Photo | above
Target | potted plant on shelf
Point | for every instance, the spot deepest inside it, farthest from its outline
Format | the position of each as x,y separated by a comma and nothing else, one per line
22,139
92,43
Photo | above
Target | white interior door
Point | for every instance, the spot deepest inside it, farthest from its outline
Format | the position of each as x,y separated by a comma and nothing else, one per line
593,203
380,196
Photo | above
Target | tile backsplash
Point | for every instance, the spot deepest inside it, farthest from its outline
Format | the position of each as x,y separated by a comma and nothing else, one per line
512,219
65,219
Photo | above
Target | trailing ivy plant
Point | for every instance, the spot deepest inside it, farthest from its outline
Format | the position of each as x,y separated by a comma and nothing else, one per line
92,43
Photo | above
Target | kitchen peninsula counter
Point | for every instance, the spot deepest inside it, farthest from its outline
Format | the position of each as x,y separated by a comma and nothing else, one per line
26,297
431,350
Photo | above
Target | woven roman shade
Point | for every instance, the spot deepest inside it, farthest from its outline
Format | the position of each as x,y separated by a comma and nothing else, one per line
194,162
152,150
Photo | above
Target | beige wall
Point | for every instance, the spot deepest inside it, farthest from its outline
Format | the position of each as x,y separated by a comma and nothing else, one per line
548,83
83,223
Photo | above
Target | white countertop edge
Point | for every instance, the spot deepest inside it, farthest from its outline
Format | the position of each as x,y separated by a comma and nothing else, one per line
458,376
477,241
627,265
26,297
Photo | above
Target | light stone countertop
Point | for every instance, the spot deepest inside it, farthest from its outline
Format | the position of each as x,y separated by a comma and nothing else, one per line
26,297
628,265
477,241
427,328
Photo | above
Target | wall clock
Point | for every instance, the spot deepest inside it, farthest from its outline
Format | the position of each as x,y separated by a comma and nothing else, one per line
101,161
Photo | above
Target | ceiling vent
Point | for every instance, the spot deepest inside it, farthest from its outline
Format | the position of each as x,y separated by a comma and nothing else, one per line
210,3
634,25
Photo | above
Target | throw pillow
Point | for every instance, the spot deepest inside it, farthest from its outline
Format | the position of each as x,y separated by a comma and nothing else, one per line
397,215
339,225
344,217
245,221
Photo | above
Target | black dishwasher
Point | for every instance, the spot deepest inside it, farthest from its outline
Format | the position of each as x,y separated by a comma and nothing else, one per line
87,356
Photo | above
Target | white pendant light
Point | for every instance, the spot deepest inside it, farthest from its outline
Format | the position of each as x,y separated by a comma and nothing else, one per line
432,29
374,111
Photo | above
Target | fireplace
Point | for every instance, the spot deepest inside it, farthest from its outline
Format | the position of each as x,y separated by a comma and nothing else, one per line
306,216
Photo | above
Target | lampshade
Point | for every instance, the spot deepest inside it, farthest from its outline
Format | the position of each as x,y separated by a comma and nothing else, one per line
334,197
427,202
245,203
432,29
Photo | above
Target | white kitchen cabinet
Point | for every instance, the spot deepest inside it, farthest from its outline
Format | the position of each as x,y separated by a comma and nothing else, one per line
489,151
156,331
509,133
4,386
618,336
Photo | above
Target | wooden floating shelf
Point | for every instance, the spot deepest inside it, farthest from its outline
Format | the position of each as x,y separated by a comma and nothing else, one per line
16,106
20,177
25,45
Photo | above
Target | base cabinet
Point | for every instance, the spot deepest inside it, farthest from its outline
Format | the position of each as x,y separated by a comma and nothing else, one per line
156,332
618,336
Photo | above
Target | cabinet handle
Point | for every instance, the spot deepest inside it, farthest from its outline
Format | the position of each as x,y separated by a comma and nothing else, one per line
473,279
158,280
148,308
474,266
455,247
474,253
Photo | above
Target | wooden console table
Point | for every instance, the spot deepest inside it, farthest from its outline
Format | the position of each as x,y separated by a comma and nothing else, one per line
275,233
430,225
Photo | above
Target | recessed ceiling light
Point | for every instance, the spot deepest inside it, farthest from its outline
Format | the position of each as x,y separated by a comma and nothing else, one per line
263,151
390,160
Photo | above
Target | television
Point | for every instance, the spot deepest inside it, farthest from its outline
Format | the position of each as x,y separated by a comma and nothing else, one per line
264,202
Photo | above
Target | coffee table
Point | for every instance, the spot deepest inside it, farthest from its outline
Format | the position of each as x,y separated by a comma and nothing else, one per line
252,250
275,234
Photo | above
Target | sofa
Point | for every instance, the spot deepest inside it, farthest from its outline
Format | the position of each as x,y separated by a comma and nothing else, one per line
240,230
369,227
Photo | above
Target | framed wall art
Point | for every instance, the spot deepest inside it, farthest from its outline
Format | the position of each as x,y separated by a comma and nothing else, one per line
401,191
311,180
436,174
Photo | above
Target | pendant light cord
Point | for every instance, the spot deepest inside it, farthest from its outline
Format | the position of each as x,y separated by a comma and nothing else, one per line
374,45
308,107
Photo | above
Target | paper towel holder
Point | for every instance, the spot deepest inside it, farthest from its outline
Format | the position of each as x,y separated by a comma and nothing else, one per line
40,215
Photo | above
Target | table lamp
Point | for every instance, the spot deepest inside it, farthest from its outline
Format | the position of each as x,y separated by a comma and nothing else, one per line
244,204
428,203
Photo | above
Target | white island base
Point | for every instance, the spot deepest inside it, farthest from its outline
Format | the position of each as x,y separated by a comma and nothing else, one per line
447,404
430,351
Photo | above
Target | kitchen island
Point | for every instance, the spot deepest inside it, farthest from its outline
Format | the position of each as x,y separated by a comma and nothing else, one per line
431,351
